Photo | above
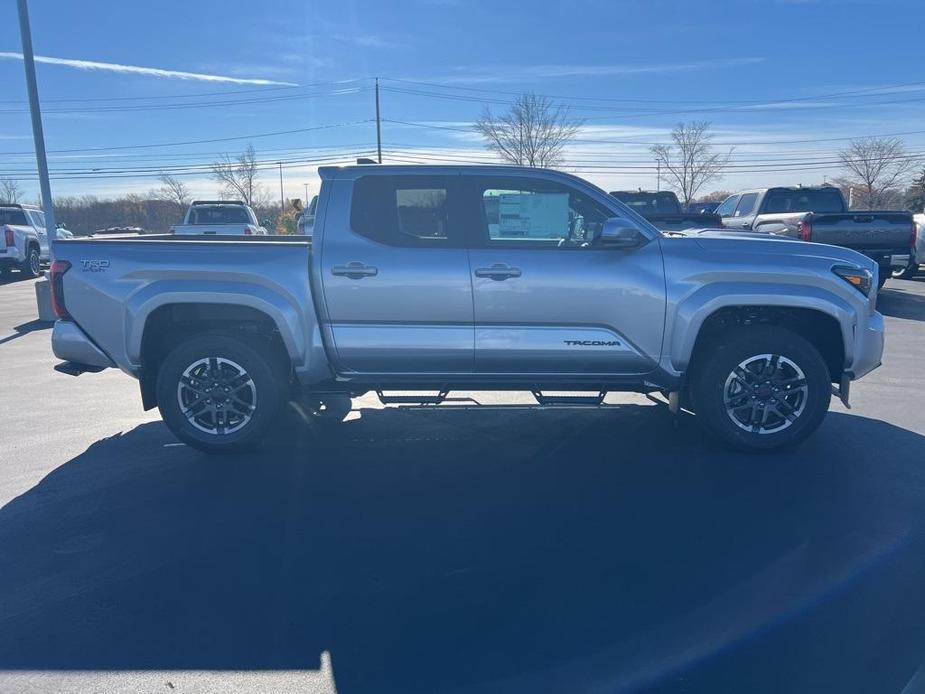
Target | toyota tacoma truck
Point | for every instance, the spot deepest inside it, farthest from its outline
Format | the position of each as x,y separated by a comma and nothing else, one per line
219,218
429,279
822,215
663,210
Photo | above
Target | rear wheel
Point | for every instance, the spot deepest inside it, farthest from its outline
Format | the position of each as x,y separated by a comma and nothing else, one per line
32,265
218,393
761,388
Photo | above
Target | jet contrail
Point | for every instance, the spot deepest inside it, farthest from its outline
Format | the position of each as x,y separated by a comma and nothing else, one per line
150,71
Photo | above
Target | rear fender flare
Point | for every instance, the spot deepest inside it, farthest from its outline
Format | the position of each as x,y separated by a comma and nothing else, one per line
284,311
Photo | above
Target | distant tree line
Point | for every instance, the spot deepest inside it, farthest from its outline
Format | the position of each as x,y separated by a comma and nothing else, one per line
159,209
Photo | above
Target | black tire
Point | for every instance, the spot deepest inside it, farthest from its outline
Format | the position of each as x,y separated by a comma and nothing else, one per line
908,272
31,267
713,384
4,272
258,398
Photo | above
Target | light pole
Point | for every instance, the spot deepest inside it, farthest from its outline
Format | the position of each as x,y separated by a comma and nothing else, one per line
38,134
282,199
306,193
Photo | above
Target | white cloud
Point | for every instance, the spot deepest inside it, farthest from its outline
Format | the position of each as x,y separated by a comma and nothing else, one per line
148,71
508,73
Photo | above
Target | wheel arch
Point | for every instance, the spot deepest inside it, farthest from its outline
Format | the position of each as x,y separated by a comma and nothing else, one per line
825,319
170,323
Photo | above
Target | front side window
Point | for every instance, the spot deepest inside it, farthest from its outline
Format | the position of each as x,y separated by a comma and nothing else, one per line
401,210
726,209
524,213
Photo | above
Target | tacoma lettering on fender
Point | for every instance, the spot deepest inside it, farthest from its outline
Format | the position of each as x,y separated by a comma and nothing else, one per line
470,277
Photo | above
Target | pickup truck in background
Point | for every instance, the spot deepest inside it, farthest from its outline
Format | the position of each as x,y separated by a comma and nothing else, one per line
219,218
440,278
821,215
663,209
23,240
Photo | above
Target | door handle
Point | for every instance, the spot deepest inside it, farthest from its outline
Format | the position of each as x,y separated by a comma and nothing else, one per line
498,272
354,270
746,225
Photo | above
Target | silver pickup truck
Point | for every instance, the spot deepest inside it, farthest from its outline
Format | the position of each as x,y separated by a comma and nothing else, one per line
478,278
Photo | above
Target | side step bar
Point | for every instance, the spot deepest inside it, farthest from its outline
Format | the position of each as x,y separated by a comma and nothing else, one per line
589,400
412,399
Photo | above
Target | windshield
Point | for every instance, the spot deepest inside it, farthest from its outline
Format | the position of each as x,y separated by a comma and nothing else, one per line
219,214
649,203
13,216
781,200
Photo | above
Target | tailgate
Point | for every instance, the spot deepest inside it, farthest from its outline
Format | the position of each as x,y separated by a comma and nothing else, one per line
864,230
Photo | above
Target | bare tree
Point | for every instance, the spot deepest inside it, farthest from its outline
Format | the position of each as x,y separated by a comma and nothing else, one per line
533,133
10,191
173,190
691,162
238,177
879,165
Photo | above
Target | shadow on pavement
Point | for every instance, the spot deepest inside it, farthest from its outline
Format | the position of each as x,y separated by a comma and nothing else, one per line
26,328
900,303
480,551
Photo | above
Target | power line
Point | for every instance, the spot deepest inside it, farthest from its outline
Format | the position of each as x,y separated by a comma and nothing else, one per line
666,101
201,142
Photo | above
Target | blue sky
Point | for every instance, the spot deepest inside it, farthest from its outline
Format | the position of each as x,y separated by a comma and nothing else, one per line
769,75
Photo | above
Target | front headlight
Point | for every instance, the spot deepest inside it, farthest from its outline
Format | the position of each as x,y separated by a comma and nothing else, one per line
857,277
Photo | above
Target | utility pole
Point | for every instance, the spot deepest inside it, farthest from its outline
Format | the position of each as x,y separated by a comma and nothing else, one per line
282,200
658,176
306,194
378,125
38,135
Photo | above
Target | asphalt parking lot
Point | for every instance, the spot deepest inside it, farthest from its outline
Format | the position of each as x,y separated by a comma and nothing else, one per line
458,550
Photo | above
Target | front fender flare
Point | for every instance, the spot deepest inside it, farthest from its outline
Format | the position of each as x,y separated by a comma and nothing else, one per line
695,308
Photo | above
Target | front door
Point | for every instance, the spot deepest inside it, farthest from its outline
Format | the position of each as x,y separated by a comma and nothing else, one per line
397,292
548,298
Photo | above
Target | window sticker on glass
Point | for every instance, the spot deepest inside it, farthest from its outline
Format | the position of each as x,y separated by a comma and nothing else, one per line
526,215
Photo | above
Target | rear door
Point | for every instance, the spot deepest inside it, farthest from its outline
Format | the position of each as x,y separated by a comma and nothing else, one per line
37,219
395,274
548,299
745,212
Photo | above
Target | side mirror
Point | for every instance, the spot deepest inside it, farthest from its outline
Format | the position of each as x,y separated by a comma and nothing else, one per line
620,234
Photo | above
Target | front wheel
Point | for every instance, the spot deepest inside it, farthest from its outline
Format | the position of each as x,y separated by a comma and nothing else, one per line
761,388
218,393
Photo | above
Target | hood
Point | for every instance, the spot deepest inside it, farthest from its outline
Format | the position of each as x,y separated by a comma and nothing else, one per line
777,248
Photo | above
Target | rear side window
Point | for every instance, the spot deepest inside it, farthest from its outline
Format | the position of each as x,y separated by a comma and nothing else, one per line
726,209
402,210
746,204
